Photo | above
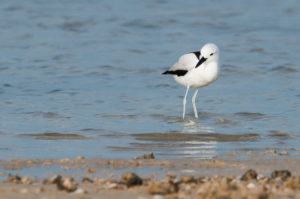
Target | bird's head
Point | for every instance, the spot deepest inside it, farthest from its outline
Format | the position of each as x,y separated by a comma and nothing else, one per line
210,52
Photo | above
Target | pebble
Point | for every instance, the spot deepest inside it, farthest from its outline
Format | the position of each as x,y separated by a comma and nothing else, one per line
283,153
251,185
65,160
249,175
224,121
80,191
13,179
146,156
282,174
64,184
163,188
99,181
90,170
293,183
131,179
190,123
273,152
260,177
26,180
170,177
112,185
53,179
67,184
214,187
80,158
187,179
87,180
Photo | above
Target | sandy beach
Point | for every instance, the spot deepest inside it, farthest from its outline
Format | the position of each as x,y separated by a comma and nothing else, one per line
146,177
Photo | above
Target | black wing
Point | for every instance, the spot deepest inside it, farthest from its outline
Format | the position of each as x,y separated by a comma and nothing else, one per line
175,72
197,54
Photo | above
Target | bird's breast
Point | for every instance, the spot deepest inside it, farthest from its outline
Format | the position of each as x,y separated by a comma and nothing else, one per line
202,76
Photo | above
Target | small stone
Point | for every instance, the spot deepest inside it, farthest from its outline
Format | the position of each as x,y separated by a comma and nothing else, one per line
87,180
131,179
293,183
283,153
224,121
67,184
53,180
13,179
146,156
80,158
189,123
112,186
99,181
80,191
163,188
188,179
90,170
251,185
6,85
272,152
260,177
249,175
63,184
26,180
65,160
283,174
171,177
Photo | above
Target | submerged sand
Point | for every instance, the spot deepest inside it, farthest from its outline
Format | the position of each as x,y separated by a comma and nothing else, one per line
146,177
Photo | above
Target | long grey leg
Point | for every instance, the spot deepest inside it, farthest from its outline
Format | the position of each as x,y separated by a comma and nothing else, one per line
194,103
184,101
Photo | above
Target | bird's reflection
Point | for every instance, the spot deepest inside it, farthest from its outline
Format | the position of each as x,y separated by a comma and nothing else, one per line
198,148
193,139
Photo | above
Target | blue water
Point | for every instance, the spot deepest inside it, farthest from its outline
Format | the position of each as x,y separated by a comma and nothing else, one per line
93,68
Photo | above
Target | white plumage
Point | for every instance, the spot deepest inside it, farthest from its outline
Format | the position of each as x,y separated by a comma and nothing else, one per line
196,70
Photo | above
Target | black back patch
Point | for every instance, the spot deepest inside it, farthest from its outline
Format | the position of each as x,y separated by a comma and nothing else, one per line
197,54
175,72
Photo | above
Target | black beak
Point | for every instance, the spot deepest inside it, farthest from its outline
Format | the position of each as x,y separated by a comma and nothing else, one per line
203,59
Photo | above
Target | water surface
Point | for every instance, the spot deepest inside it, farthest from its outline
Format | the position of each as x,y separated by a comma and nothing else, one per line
84,78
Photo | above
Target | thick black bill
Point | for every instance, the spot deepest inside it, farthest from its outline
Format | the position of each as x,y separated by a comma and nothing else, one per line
203,59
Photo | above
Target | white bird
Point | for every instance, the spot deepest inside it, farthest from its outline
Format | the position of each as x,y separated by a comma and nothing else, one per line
196,70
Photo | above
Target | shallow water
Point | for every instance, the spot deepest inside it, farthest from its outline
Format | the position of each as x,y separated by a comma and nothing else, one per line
84,78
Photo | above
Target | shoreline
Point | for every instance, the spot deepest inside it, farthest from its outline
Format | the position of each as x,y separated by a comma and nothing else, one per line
150,178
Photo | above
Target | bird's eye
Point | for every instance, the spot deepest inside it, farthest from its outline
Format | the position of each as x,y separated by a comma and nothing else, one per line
211,54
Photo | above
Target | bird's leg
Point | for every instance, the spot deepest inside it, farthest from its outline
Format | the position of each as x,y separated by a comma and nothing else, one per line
194,104
184,101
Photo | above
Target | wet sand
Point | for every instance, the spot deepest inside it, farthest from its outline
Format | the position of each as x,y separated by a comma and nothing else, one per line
146,177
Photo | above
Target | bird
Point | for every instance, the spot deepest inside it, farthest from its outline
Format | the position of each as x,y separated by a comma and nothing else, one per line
196,70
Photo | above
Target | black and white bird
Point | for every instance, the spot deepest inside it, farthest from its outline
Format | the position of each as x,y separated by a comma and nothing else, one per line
196,70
